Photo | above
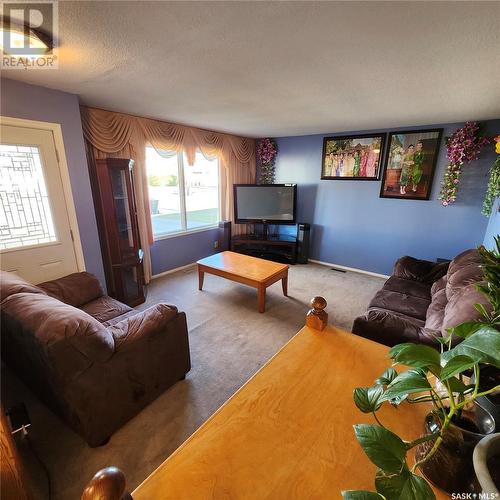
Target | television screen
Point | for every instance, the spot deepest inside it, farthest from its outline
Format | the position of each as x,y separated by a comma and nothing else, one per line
274,203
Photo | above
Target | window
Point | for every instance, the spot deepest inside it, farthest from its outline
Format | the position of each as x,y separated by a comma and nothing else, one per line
183,197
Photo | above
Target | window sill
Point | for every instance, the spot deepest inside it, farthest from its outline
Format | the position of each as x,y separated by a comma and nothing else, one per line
184,233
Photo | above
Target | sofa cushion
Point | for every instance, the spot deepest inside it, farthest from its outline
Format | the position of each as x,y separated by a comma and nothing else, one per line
408,287
11,283
411,268
105,308
151,321
53,322
424,271
463,259
438,271
415,307
438,285
461,277
435,311
117,319
75,289
460,307
388,327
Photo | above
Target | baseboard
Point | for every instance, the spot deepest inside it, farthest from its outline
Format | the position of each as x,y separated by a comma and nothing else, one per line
170,271
353,269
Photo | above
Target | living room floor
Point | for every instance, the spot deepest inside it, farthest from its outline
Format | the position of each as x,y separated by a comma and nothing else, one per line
229,342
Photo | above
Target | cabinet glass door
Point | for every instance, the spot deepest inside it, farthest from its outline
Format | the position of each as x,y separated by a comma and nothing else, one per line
123,212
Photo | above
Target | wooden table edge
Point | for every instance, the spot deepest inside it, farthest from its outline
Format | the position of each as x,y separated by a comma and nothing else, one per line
230,274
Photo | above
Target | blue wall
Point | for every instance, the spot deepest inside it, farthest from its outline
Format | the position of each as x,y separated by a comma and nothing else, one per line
182,250
493,228
352,226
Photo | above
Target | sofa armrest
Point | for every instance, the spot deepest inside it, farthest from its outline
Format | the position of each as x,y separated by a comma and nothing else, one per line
391,328
151,354
144,324
75,289
419,270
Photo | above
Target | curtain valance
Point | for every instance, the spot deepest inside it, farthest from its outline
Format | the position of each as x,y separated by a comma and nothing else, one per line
111,132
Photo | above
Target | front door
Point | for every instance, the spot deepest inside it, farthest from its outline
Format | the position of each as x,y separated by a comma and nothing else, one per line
36,240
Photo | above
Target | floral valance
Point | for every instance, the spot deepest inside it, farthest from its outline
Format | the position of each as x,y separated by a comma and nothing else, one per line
111,132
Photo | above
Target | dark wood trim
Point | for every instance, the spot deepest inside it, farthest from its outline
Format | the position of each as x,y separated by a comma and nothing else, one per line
118,260
12,482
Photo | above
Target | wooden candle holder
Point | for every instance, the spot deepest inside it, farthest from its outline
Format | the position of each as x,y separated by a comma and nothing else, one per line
107,484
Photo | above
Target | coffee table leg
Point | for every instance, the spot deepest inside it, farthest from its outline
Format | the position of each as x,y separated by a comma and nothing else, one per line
261,298
284,285
201,275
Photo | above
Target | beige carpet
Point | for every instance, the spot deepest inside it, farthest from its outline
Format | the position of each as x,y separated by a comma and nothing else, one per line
229,342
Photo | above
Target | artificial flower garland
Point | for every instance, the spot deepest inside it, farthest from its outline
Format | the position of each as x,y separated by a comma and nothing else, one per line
493,189
463,146
267,150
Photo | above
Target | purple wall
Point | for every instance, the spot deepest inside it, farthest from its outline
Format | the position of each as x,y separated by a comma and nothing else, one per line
352,226
20,100
182,250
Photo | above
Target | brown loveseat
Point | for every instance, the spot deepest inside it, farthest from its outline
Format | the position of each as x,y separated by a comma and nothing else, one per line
422,299
93,360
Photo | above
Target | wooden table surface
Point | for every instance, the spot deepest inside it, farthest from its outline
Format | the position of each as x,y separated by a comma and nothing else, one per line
287,433
251,271
245,266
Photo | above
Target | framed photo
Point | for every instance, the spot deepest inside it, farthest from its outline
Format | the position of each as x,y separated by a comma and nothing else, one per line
410,163
353,157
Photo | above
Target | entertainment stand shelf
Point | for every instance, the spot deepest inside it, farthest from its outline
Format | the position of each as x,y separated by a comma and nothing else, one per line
280,248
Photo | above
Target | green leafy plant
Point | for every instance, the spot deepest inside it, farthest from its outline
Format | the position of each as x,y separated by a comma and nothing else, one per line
429,372
493,189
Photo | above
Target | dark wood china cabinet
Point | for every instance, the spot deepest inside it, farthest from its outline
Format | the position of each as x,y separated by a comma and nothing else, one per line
114,200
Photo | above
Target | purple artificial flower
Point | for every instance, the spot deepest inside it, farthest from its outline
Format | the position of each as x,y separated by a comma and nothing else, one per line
267,151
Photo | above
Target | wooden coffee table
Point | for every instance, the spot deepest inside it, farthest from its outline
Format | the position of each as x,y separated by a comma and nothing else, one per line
251,271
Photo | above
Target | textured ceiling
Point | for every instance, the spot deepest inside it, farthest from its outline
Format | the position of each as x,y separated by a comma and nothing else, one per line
281,68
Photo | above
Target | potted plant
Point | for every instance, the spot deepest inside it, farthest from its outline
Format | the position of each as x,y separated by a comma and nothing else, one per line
486,460
439,378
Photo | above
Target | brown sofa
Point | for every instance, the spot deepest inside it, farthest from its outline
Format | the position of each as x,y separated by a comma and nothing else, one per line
93,360
422,299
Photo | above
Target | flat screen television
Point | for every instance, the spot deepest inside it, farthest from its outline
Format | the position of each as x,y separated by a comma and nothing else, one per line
268,203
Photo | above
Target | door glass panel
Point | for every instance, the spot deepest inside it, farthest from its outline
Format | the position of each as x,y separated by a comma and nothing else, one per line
25,214
202,192
164,196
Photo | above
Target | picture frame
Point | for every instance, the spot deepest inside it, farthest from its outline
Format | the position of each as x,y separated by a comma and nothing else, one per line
353,157
403,176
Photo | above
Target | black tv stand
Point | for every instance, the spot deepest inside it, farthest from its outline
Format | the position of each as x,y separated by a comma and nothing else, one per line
276,247
265,231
